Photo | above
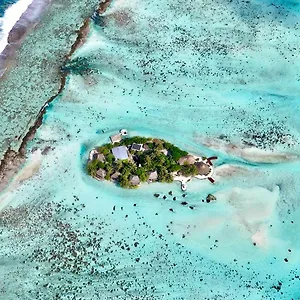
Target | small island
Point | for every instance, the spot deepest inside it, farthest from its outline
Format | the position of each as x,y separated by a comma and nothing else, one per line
128,161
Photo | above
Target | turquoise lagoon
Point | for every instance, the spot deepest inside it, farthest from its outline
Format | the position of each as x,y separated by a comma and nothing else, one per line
215,78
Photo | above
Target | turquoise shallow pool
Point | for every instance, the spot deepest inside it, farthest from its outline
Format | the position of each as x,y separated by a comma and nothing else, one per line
215,79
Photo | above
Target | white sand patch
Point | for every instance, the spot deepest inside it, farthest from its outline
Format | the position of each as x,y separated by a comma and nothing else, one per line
230,170
248,153
31,168
183,179
257,155
260,237
28,171
251,205
239,218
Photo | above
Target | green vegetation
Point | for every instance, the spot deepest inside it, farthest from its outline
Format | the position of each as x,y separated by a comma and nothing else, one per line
174,151
159,156
189,170
93,166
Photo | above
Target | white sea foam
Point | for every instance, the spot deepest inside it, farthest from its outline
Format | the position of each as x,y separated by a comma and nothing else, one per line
10,18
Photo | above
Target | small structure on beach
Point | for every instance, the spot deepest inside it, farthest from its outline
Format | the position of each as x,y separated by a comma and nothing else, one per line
136,147
134,180
187,159
164,151
100,157
203,168
123,131
100,174
183,186
93,155
120,152
115,176
116,138
152,176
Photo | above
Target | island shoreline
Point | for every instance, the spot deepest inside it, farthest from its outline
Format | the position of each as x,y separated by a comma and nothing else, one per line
130,161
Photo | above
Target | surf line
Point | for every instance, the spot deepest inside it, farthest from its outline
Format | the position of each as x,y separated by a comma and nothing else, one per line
11,16
18,19
13,160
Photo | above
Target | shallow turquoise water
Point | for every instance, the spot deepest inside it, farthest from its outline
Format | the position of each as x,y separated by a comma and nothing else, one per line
217,79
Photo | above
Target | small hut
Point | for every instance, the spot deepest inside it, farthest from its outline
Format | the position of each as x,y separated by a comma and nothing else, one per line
101,157
187,159
152,176
146,147
134,180
100,174
136,147
115,176
203,168
164,151
116,138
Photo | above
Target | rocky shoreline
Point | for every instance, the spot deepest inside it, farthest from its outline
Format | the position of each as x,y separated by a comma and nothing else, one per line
13,160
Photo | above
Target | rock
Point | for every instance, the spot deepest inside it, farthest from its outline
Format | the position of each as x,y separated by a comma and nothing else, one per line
210,197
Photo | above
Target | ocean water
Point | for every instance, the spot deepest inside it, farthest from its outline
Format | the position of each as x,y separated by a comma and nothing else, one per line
215,78
10,13
34,77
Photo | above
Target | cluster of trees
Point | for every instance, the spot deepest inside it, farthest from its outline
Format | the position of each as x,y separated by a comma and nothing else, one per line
188,170
174,151
135,139
93,166
144,162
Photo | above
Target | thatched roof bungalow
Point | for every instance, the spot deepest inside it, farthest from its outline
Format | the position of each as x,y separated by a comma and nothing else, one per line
116,138
153,176
203,168
134,180
100,174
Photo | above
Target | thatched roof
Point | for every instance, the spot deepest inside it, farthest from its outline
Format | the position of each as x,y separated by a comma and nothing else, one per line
153,175
115,138
101,157
100,174
203,168
135,180
187,159
116,175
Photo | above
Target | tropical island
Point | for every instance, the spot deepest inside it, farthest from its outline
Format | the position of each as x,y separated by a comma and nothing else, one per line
128,161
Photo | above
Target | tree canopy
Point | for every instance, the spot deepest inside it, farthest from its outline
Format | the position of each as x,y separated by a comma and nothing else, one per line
158,155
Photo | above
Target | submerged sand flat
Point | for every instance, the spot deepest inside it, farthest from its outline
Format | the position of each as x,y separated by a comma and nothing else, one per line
195,75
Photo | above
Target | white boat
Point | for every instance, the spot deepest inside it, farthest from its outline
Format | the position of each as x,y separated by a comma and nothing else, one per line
123,131
183,186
